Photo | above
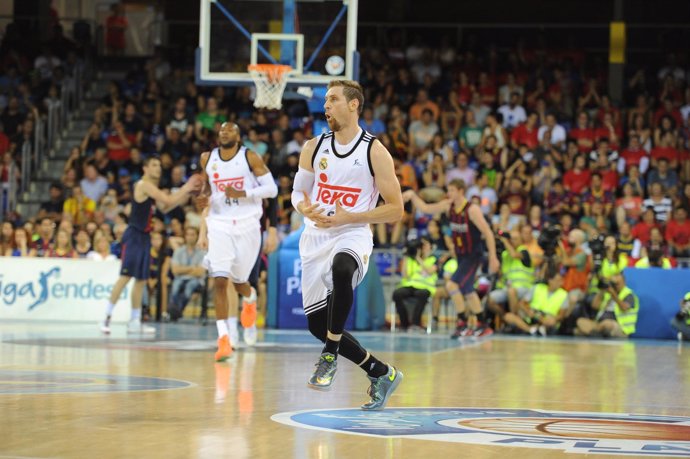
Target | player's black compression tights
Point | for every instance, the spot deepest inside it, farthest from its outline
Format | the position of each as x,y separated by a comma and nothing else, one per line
340,302
349,346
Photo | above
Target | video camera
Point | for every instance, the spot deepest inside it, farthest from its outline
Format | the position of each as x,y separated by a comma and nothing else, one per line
548,240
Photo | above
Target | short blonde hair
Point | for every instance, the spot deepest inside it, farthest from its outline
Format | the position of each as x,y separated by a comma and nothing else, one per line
351,90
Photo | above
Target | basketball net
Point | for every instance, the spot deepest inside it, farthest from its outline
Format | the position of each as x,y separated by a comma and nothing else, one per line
270,81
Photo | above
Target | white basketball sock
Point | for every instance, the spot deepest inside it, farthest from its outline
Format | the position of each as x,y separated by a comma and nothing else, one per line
222,327
109,309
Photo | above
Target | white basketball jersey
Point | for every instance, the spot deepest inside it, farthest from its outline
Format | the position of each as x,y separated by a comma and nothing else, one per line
344,173
235,173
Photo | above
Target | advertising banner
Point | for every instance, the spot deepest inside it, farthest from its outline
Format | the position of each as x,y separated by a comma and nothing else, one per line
59,289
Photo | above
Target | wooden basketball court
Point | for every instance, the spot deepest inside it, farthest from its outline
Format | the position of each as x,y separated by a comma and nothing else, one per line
68,392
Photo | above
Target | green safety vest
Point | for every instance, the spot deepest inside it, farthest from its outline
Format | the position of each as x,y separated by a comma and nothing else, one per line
610,269
644,263
415,277
548,303
514,272
626,319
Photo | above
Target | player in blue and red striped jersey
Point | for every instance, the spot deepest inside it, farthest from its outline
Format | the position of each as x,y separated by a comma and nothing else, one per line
136,242
467,226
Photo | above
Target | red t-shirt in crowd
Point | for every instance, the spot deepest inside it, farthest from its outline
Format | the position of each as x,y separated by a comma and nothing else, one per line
675,114
522,135
604,133
609,180
670,153
4,143
575,181
678,233
641,231
633,157
582,134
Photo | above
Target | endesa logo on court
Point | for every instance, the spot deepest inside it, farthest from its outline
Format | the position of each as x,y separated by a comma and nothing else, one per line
330,194
234,182
570,432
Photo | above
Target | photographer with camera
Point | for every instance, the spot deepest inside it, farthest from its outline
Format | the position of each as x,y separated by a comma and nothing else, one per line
681,321
418,282
617,307
517,273
543,308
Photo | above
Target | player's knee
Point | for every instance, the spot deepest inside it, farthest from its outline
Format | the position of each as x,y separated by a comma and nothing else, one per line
344,267
317,326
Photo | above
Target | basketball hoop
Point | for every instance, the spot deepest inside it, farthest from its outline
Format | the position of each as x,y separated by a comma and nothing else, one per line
270,81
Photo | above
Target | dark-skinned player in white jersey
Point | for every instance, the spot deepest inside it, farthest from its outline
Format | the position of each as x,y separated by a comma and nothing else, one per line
236,182
340,177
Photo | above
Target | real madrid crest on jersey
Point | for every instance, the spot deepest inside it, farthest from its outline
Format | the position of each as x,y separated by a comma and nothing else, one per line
323,164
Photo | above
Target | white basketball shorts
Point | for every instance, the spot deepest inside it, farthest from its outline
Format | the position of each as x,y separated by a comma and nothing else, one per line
233,246
317,248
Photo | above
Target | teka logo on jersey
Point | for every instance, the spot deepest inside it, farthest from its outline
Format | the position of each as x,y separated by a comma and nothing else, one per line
571,432
330,194
235,182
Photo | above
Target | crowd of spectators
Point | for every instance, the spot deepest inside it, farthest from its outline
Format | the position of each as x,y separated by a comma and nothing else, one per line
533,134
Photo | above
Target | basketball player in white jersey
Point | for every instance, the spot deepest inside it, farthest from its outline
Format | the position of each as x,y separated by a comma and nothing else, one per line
341,174
238,180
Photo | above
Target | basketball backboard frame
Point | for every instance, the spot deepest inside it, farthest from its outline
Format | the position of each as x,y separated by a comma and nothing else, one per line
205,76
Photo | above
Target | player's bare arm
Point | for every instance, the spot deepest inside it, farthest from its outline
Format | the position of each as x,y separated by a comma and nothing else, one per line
267,186
166,202
428,208
479,221
304,182
389,188
203,198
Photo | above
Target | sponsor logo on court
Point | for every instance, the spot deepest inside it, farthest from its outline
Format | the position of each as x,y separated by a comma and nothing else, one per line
330,194
55,382
570,432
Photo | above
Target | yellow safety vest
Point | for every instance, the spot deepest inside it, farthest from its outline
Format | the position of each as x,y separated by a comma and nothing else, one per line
549,304
514,272
450,267
626,319
610,269
644,263
414,276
